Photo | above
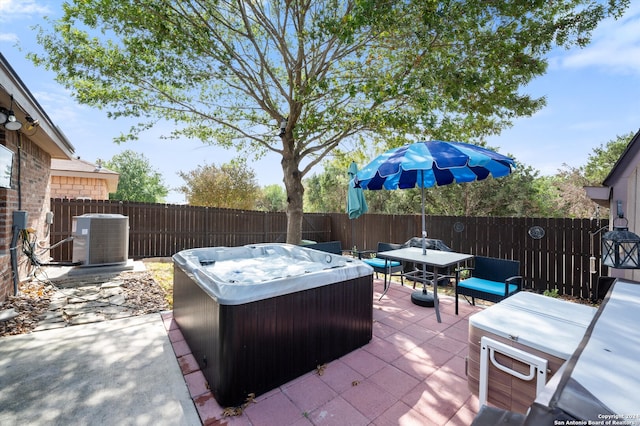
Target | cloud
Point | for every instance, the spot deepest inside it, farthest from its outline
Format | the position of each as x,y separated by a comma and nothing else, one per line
12,10
615,46
8,37
59,105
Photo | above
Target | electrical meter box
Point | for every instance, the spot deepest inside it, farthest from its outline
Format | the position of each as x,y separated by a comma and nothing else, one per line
20,219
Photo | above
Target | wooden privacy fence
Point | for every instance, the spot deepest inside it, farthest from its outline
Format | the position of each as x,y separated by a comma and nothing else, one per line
554,253
161,230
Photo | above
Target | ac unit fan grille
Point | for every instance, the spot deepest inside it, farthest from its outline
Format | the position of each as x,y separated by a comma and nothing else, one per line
106,242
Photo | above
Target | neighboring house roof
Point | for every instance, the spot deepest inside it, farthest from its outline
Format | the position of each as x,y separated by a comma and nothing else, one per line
627,158
46,135
80,168
630,156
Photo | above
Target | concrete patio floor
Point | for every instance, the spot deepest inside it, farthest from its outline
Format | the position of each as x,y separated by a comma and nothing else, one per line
411,373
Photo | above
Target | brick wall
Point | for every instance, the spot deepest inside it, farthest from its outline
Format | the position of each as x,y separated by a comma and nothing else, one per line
79,187
29,192
8,203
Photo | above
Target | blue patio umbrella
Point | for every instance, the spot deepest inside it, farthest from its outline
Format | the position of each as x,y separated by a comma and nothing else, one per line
431,163
356,203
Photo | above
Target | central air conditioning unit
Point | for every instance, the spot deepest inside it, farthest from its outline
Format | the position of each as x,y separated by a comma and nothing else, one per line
100,239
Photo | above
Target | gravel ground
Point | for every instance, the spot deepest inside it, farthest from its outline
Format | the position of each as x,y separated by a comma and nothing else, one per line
142,295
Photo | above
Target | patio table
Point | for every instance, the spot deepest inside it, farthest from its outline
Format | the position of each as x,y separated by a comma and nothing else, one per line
435,258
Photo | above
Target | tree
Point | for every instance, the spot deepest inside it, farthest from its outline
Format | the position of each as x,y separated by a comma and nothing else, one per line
138,181
326,192
330,70
513,195
572,199
272,199
232,185
603,158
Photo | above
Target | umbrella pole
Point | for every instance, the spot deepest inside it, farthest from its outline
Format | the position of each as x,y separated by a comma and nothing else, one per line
424,226
421,298
424,240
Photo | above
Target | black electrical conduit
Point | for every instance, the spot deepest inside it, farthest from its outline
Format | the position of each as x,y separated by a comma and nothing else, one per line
14,258
16,231
13,248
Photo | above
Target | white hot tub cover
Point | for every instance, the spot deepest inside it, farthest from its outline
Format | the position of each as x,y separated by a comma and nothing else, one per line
237,275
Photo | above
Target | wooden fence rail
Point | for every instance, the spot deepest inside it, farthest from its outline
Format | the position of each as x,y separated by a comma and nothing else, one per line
554,253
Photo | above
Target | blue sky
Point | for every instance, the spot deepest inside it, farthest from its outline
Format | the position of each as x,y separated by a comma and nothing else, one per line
592,97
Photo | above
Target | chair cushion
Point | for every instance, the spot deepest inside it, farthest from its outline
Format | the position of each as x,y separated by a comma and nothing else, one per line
486,286
376,262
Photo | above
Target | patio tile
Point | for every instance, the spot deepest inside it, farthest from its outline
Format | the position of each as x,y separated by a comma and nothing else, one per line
310,393
418,331
298,379
384,349
456,365
181,348
188,364
210,411
369,398
465,414
403,415
196,383
169,322
340,377
175,335
404,342
415,364
388,309
431,323
411,373
432,402
380,329
450,317
433,354
397,322
412,314
451,385
338,412
394,381
459,332
276,410
443,341
268,394
378,314
401,298
465,308
303,421
363,362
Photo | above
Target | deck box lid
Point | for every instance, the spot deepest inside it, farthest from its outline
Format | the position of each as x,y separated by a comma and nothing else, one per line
549,325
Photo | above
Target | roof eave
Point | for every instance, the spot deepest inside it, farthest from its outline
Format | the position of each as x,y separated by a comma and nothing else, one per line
46,135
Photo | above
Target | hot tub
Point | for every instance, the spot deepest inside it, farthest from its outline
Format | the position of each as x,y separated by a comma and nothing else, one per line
258,316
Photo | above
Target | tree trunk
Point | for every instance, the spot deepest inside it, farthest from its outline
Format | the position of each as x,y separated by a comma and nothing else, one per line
295,192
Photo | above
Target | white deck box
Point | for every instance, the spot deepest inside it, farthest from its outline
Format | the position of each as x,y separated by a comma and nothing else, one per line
538,325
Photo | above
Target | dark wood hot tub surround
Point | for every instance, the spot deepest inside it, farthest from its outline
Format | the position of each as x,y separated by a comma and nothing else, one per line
258,346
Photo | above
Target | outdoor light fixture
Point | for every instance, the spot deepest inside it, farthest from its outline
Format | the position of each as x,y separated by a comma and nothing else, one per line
621,248
10,121
33,123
